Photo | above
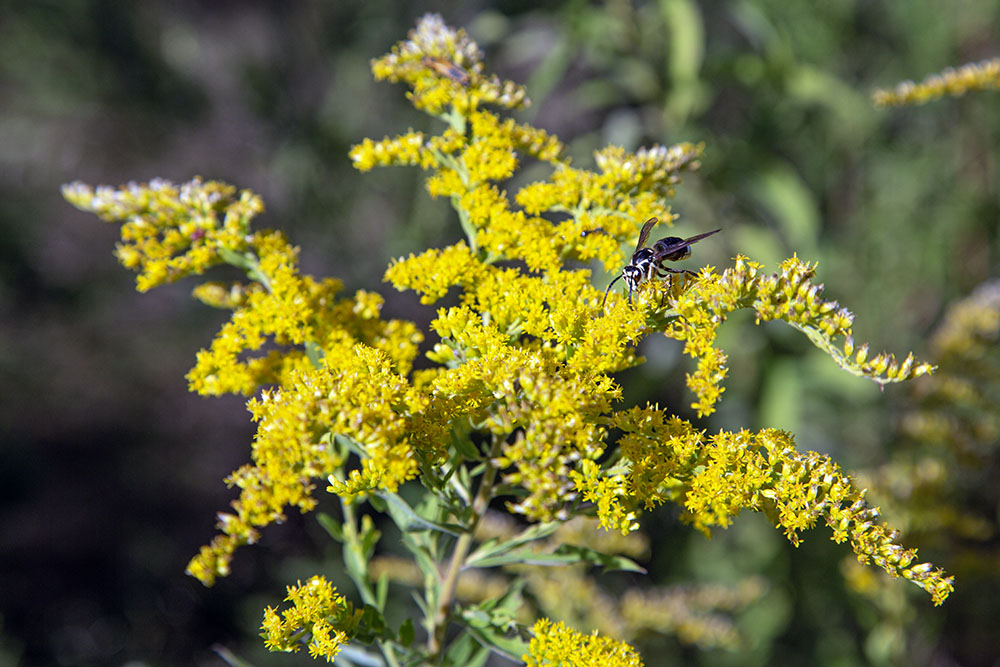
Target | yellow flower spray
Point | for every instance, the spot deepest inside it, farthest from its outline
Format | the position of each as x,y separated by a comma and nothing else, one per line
520,402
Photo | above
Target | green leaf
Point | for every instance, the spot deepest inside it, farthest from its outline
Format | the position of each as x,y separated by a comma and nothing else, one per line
511,647
422,556
476,618
357,553
461,485
406,632
372,625
467,650
350,445
378,504
493,548
244,261
370,536
407,520
466,448
608,562
566,554
780,396
333,527
508,603
356,565
493,621
382,590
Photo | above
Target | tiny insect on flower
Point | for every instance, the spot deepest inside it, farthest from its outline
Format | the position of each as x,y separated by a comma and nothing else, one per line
448,69
648,262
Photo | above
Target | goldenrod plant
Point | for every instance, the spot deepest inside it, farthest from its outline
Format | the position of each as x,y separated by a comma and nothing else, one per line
984,75
511,432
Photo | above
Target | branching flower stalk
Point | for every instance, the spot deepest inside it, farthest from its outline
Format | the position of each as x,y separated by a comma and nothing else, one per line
463,545
524,362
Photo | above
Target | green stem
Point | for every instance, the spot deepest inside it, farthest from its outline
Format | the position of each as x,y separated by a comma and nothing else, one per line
360,579
467,228
439,623
354,545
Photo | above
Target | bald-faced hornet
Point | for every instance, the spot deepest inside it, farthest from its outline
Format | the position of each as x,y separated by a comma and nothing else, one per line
648,262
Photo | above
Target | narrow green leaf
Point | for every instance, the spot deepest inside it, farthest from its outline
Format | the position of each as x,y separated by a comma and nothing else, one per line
466,448
382,590
243,261
378,503
566,554
507,605
333,527
356,565
783,193
522,556
608,562
494,621
487,549
407,520
510,647
493,548
476,618
350,445
686,53
461,484
370,535
467,650
421,604
424,560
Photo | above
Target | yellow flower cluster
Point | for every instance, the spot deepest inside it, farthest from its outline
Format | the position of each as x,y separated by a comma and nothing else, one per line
434,272
297,313
406,149
525,358
312,329
790,296
357,395
171,231
444,69
983,75
479,151
717,477
553,412
556,645
318,615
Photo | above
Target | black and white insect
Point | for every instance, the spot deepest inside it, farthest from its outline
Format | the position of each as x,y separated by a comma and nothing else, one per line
648,262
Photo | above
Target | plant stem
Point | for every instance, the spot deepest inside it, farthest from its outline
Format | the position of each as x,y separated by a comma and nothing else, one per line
439,623
360,579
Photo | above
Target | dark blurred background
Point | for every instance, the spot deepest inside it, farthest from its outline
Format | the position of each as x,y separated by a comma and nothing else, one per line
110,472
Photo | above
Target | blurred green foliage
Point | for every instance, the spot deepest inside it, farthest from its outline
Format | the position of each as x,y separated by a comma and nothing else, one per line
900,208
